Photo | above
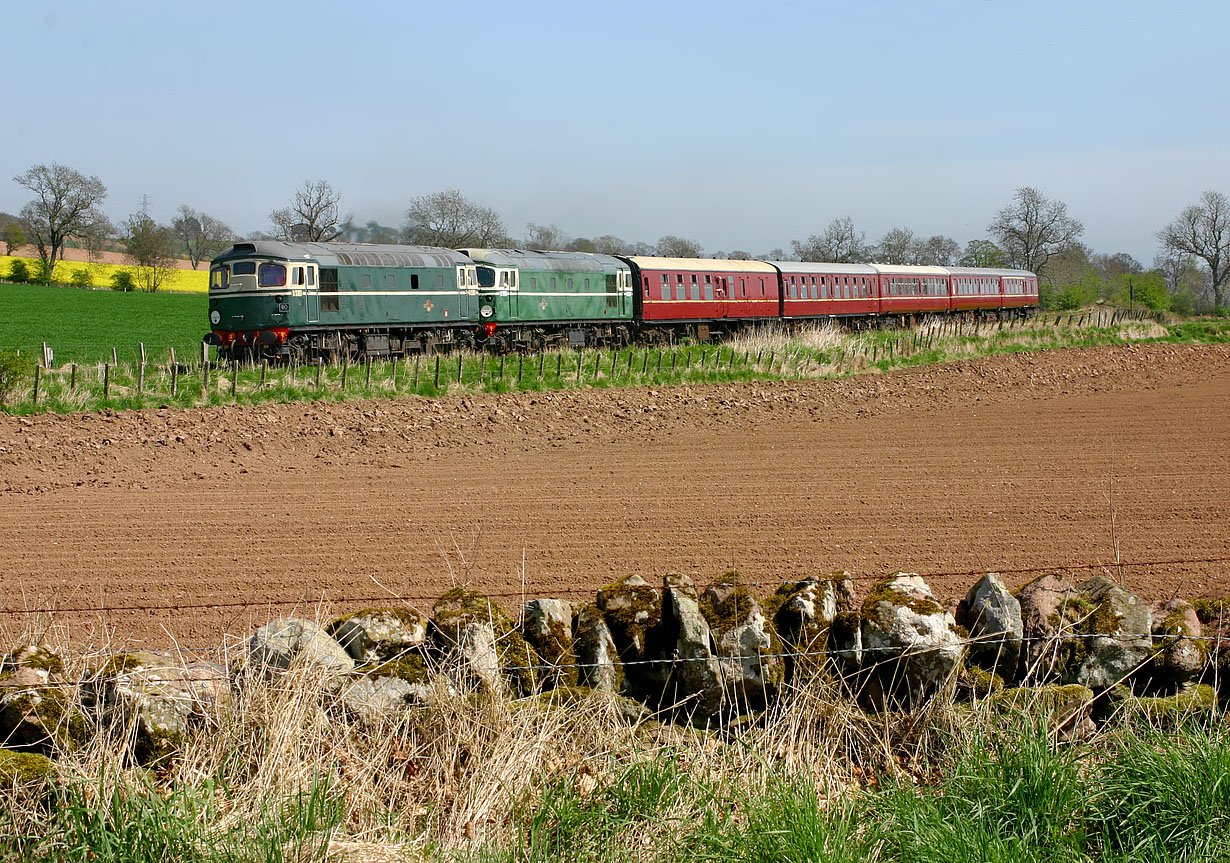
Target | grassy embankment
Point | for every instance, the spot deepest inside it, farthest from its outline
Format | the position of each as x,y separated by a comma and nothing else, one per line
280,772
83,326
184,281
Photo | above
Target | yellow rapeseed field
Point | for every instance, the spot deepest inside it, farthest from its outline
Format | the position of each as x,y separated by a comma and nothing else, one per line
185,281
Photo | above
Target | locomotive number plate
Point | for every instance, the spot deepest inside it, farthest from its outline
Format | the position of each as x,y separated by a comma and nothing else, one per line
283,308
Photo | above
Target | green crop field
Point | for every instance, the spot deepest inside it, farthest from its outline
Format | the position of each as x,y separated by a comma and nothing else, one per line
83,326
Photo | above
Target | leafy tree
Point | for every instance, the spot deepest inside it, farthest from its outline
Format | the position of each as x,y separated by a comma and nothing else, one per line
121,280
448,219
66,203
1147,289
96,236
671,246
199,234
19,272
1033,229
840,243
983,253
1203,230
582,244
150,248
738,255
14,237
312,216
80,278
14,371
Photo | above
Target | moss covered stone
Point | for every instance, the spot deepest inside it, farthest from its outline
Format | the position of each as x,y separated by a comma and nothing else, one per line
631,606
44,720
26,771
547,626
976,684
1168,711
410,667
377,634
1212,612
1068,708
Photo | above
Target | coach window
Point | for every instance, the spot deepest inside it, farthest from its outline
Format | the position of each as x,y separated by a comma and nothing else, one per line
742,287
666,286
587,286
272,276
570,283
762,287
367,281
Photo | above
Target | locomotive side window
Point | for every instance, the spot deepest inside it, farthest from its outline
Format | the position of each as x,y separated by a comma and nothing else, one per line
328,289
414,281
390,281
272,276
220,277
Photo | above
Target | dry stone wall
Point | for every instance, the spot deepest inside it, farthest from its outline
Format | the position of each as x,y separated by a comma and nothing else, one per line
1085,653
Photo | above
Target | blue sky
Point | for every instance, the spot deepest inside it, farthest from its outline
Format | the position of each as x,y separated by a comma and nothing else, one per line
741,125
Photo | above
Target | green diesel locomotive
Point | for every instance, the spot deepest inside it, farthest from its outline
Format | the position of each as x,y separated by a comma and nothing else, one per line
279,300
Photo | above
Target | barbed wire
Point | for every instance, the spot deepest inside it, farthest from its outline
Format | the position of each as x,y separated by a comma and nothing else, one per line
991,640
535,592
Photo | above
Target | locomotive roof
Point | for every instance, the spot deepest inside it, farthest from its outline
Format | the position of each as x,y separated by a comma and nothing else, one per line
532,260
351,254
701,265
810,267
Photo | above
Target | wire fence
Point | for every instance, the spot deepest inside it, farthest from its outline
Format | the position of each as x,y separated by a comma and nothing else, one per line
545,591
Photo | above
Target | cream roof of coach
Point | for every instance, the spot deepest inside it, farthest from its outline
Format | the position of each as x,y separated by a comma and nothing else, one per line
702,265
812,267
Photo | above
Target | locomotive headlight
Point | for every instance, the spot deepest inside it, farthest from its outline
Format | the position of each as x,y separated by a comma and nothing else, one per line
486,311
215,317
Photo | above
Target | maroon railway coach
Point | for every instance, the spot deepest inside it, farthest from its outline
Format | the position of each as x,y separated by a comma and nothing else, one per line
811,290
702,296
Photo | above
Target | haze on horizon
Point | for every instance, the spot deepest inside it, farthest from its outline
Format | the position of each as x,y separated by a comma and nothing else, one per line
738,126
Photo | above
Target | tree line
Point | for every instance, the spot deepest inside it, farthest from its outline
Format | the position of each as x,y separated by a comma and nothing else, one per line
1032,232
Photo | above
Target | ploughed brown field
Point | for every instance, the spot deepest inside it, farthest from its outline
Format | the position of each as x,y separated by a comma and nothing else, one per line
1069,460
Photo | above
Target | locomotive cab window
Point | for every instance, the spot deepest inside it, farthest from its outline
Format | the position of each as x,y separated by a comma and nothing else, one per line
220,277
272,276
486,277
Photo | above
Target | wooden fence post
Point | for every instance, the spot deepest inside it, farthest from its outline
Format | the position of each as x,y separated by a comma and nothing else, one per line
72,386
106,381
38,373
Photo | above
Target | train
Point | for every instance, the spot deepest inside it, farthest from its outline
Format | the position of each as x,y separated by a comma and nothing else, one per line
302,301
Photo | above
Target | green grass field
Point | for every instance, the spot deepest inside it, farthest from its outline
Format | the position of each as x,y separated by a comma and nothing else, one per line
83,326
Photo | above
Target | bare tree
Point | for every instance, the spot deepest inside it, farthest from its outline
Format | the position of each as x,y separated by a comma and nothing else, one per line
1203,230
67,201
982,253
201,235
449,220
938,251
898,246
150,248
671,246
840,243
1033,229
95,237
544,237
312,215
1186,280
